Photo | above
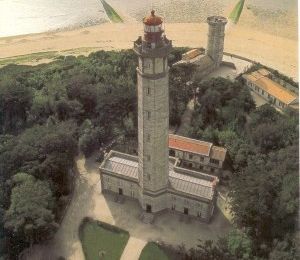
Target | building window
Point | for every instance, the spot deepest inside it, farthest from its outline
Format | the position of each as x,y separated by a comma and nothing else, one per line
148,91
132,194
214,161
201,158
190,156
148,138
199,214
186,211
147,65
149,177
148,157
173,207
200,167
212,170
172,152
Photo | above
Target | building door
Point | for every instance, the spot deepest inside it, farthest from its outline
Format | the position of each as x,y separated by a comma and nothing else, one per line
148,208
186,211
120,191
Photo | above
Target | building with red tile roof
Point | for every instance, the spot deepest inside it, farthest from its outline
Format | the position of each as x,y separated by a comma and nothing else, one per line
262,83
197,154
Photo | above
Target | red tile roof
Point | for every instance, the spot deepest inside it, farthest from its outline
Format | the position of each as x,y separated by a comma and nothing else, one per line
260,78
189,145
152,19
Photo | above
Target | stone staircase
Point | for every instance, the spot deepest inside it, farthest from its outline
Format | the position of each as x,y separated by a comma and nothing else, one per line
147,218
119,199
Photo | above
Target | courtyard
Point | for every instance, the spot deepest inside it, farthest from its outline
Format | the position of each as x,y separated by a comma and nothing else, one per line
88,201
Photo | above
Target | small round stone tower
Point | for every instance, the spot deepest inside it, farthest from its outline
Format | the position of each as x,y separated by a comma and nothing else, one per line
216,35
153,113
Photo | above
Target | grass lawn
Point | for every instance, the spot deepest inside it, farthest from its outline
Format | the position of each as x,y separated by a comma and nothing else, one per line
28,57
153,252
97,237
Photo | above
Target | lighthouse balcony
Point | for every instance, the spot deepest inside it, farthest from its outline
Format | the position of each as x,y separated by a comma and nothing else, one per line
154,49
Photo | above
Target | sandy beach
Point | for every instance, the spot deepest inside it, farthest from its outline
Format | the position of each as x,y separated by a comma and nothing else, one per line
272,50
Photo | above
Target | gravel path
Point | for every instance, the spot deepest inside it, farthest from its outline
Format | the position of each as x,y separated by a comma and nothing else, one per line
186,119
88,200
133,249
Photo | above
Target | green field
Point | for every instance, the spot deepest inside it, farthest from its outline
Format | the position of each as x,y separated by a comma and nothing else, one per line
102,241
237,11
28,58
153,252
111,13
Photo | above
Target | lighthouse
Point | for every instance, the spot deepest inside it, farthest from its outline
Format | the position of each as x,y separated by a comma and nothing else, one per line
153,178
153,113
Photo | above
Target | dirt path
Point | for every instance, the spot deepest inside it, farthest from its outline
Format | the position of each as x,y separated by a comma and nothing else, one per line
66,241
88,200
186,119
133,249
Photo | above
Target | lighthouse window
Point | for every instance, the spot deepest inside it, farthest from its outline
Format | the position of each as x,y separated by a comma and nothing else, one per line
148,115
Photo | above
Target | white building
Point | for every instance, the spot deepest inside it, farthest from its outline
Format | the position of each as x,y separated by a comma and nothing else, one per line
262,83
198,155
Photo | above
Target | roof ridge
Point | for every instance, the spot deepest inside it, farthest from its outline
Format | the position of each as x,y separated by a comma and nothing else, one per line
190,181
110,159
197,140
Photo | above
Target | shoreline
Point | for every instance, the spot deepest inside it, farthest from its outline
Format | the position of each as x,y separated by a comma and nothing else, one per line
271,50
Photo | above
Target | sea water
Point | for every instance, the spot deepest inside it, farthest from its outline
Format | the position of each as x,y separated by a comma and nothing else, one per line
34,16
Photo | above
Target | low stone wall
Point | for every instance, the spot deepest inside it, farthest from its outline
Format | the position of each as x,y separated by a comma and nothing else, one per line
239,57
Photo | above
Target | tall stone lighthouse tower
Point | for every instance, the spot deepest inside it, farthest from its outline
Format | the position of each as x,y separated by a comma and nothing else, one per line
153,113
216,34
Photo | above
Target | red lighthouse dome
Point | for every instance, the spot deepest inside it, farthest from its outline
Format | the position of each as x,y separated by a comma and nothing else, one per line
152,28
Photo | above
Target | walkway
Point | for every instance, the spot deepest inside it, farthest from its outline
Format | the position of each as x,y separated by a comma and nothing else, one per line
133,249
89,201
186,119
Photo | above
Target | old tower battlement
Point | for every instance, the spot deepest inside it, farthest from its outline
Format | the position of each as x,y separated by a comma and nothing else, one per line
211,59
216,36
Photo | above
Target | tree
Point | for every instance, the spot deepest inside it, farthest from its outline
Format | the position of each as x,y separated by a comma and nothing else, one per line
264,197
30,214
15,101
285,249
268,137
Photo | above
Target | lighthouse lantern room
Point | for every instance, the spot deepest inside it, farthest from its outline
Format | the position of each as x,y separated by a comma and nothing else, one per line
153,29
